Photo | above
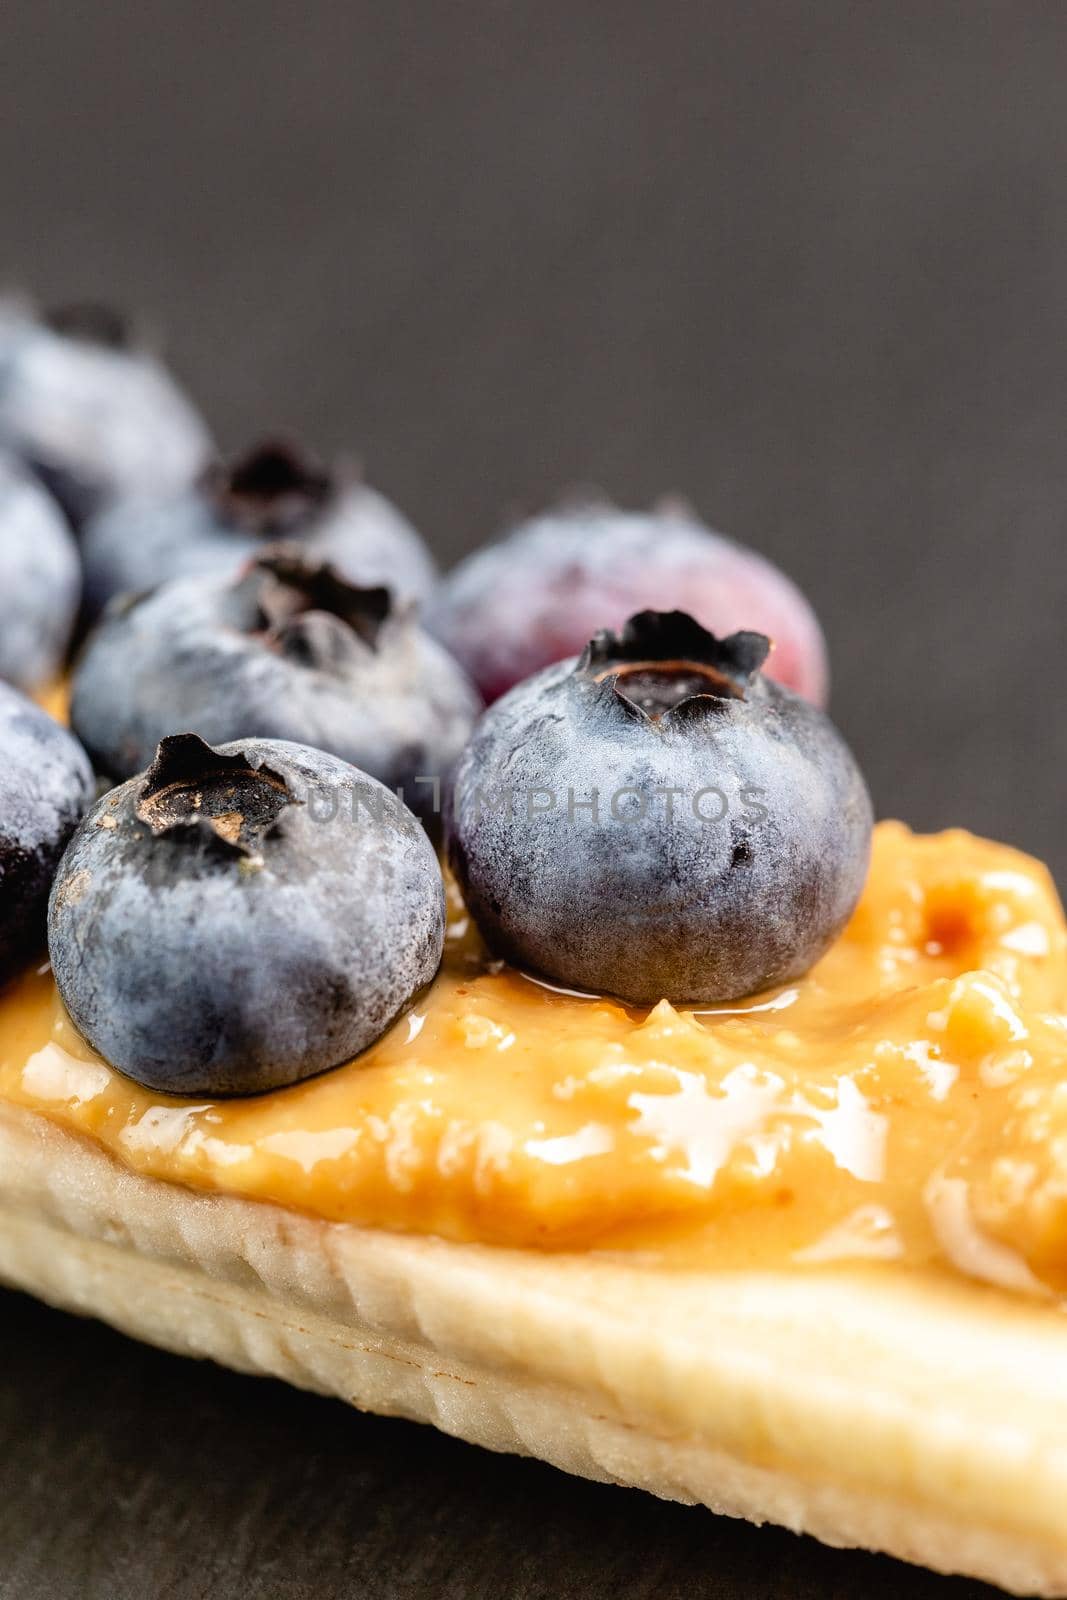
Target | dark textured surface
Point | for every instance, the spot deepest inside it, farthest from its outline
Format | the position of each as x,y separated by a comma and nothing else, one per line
129,1475
806,263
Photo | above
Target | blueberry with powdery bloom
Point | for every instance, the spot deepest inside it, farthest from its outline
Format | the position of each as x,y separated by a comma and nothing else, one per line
45,785
538,595
290,650
276,492
40,580
92,410
239,919
660,820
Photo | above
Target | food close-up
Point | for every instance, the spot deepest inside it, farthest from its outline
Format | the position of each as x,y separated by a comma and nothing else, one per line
669,1062
533,974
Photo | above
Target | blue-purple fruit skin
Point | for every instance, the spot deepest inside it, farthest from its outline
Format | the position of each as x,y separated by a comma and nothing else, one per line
96,418
133,546
40,580
45,786
537,595
197,970
193,655
649,908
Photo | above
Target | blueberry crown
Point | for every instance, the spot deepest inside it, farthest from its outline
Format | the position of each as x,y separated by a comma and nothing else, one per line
309,611
275,489
662,661
194,792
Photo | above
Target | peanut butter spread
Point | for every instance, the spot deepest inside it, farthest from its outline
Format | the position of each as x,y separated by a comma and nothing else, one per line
905,1100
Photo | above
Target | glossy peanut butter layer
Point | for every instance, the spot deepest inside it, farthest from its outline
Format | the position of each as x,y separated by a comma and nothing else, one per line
907,1100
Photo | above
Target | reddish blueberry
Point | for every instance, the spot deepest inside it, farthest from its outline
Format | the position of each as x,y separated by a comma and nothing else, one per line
536,596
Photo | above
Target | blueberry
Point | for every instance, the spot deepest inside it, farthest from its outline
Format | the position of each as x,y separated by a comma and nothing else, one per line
238,919
45,786
275,492
40,580
94,413
659,819
290,650
536,597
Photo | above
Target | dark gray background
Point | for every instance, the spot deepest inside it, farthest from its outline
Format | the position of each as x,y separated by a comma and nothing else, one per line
804,263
